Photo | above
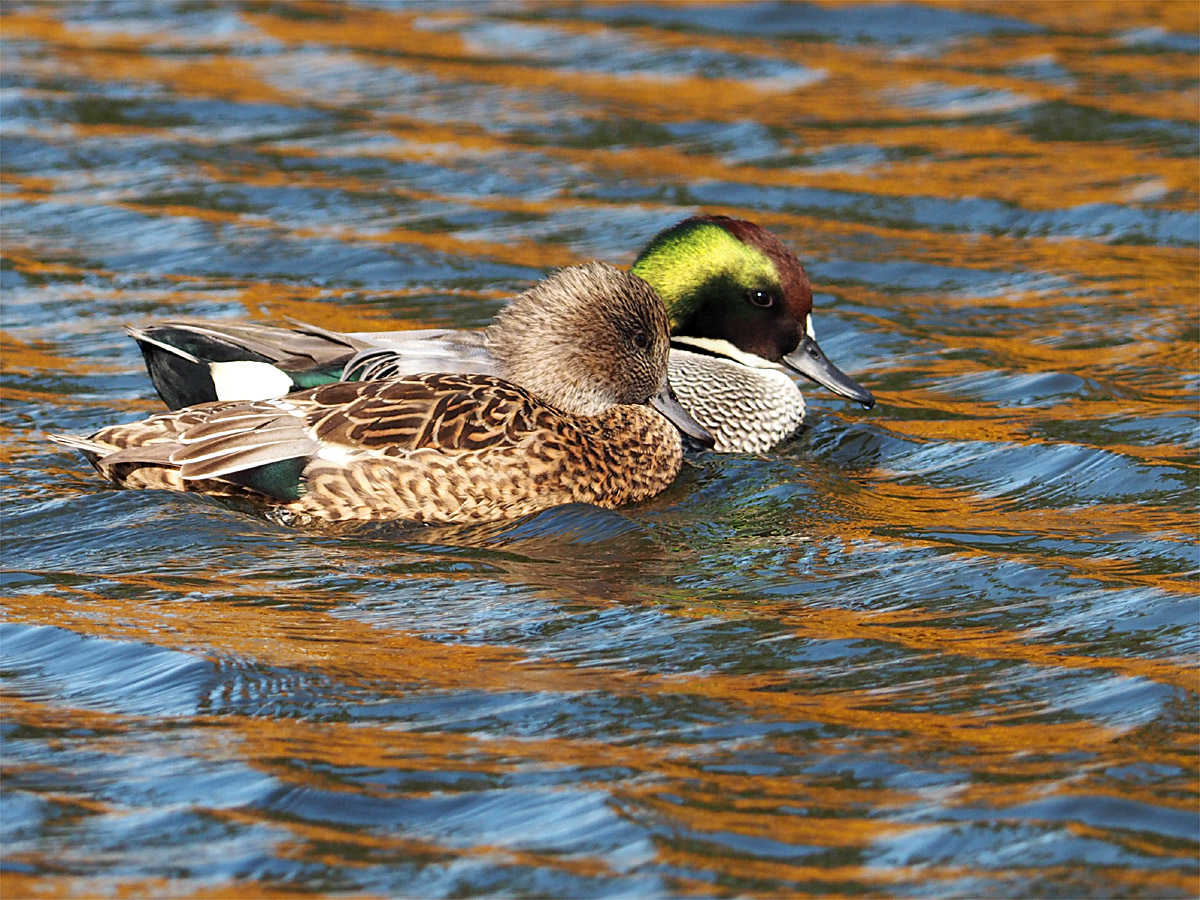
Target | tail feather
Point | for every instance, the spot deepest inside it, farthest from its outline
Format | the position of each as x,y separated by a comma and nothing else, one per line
180,377
144,337
107,457
84,445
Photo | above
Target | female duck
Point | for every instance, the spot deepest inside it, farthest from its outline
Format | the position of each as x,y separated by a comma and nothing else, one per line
579,355
740,306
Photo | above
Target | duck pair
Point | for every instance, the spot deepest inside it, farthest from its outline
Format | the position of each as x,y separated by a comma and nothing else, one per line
547,406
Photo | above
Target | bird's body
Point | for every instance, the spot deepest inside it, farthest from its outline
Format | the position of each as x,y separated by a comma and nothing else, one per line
443,447
425,448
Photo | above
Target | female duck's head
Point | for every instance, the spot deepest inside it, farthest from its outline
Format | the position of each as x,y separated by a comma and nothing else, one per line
584,339
587,338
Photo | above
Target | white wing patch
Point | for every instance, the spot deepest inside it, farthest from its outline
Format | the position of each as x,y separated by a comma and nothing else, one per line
244,380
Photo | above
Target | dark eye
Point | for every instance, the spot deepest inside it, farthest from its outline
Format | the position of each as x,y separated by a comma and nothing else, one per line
760,298
641,340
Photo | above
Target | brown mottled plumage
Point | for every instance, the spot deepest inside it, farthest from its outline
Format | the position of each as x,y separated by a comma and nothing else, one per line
441,447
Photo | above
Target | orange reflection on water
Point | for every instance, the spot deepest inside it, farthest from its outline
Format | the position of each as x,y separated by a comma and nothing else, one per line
944,693
347,650
974,158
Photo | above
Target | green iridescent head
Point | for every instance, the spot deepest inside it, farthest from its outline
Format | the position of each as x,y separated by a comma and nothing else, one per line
729,279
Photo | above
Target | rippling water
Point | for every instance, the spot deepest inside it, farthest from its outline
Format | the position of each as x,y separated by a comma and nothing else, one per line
946,647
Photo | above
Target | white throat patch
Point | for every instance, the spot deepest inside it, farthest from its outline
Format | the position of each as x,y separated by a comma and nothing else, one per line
723,348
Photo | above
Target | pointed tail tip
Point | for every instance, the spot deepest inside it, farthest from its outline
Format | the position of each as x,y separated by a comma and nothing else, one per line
76,442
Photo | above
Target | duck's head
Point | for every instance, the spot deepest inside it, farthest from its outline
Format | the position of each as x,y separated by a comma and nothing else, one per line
587,338
732,288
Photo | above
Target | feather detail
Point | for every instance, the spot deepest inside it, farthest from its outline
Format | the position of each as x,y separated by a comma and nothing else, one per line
241,458
147,337
76,442
423,351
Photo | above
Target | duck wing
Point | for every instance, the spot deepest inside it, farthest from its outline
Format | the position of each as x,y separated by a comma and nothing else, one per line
267,445
345,421
247,443
302,346
401,353
192,362
446,412
241,437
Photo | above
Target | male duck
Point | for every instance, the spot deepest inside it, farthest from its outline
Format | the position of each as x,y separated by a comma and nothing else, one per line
740,306
578,356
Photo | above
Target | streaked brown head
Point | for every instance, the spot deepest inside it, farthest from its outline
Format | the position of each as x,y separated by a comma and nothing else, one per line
584,339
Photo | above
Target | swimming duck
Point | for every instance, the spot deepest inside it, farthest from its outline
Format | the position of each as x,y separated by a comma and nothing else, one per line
740,306
564,420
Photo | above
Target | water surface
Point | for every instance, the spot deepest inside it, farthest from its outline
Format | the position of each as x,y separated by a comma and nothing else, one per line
943,648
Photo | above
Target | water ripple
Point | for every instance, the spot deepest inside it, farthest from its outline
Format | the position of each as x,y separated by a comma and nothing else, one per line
945,647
